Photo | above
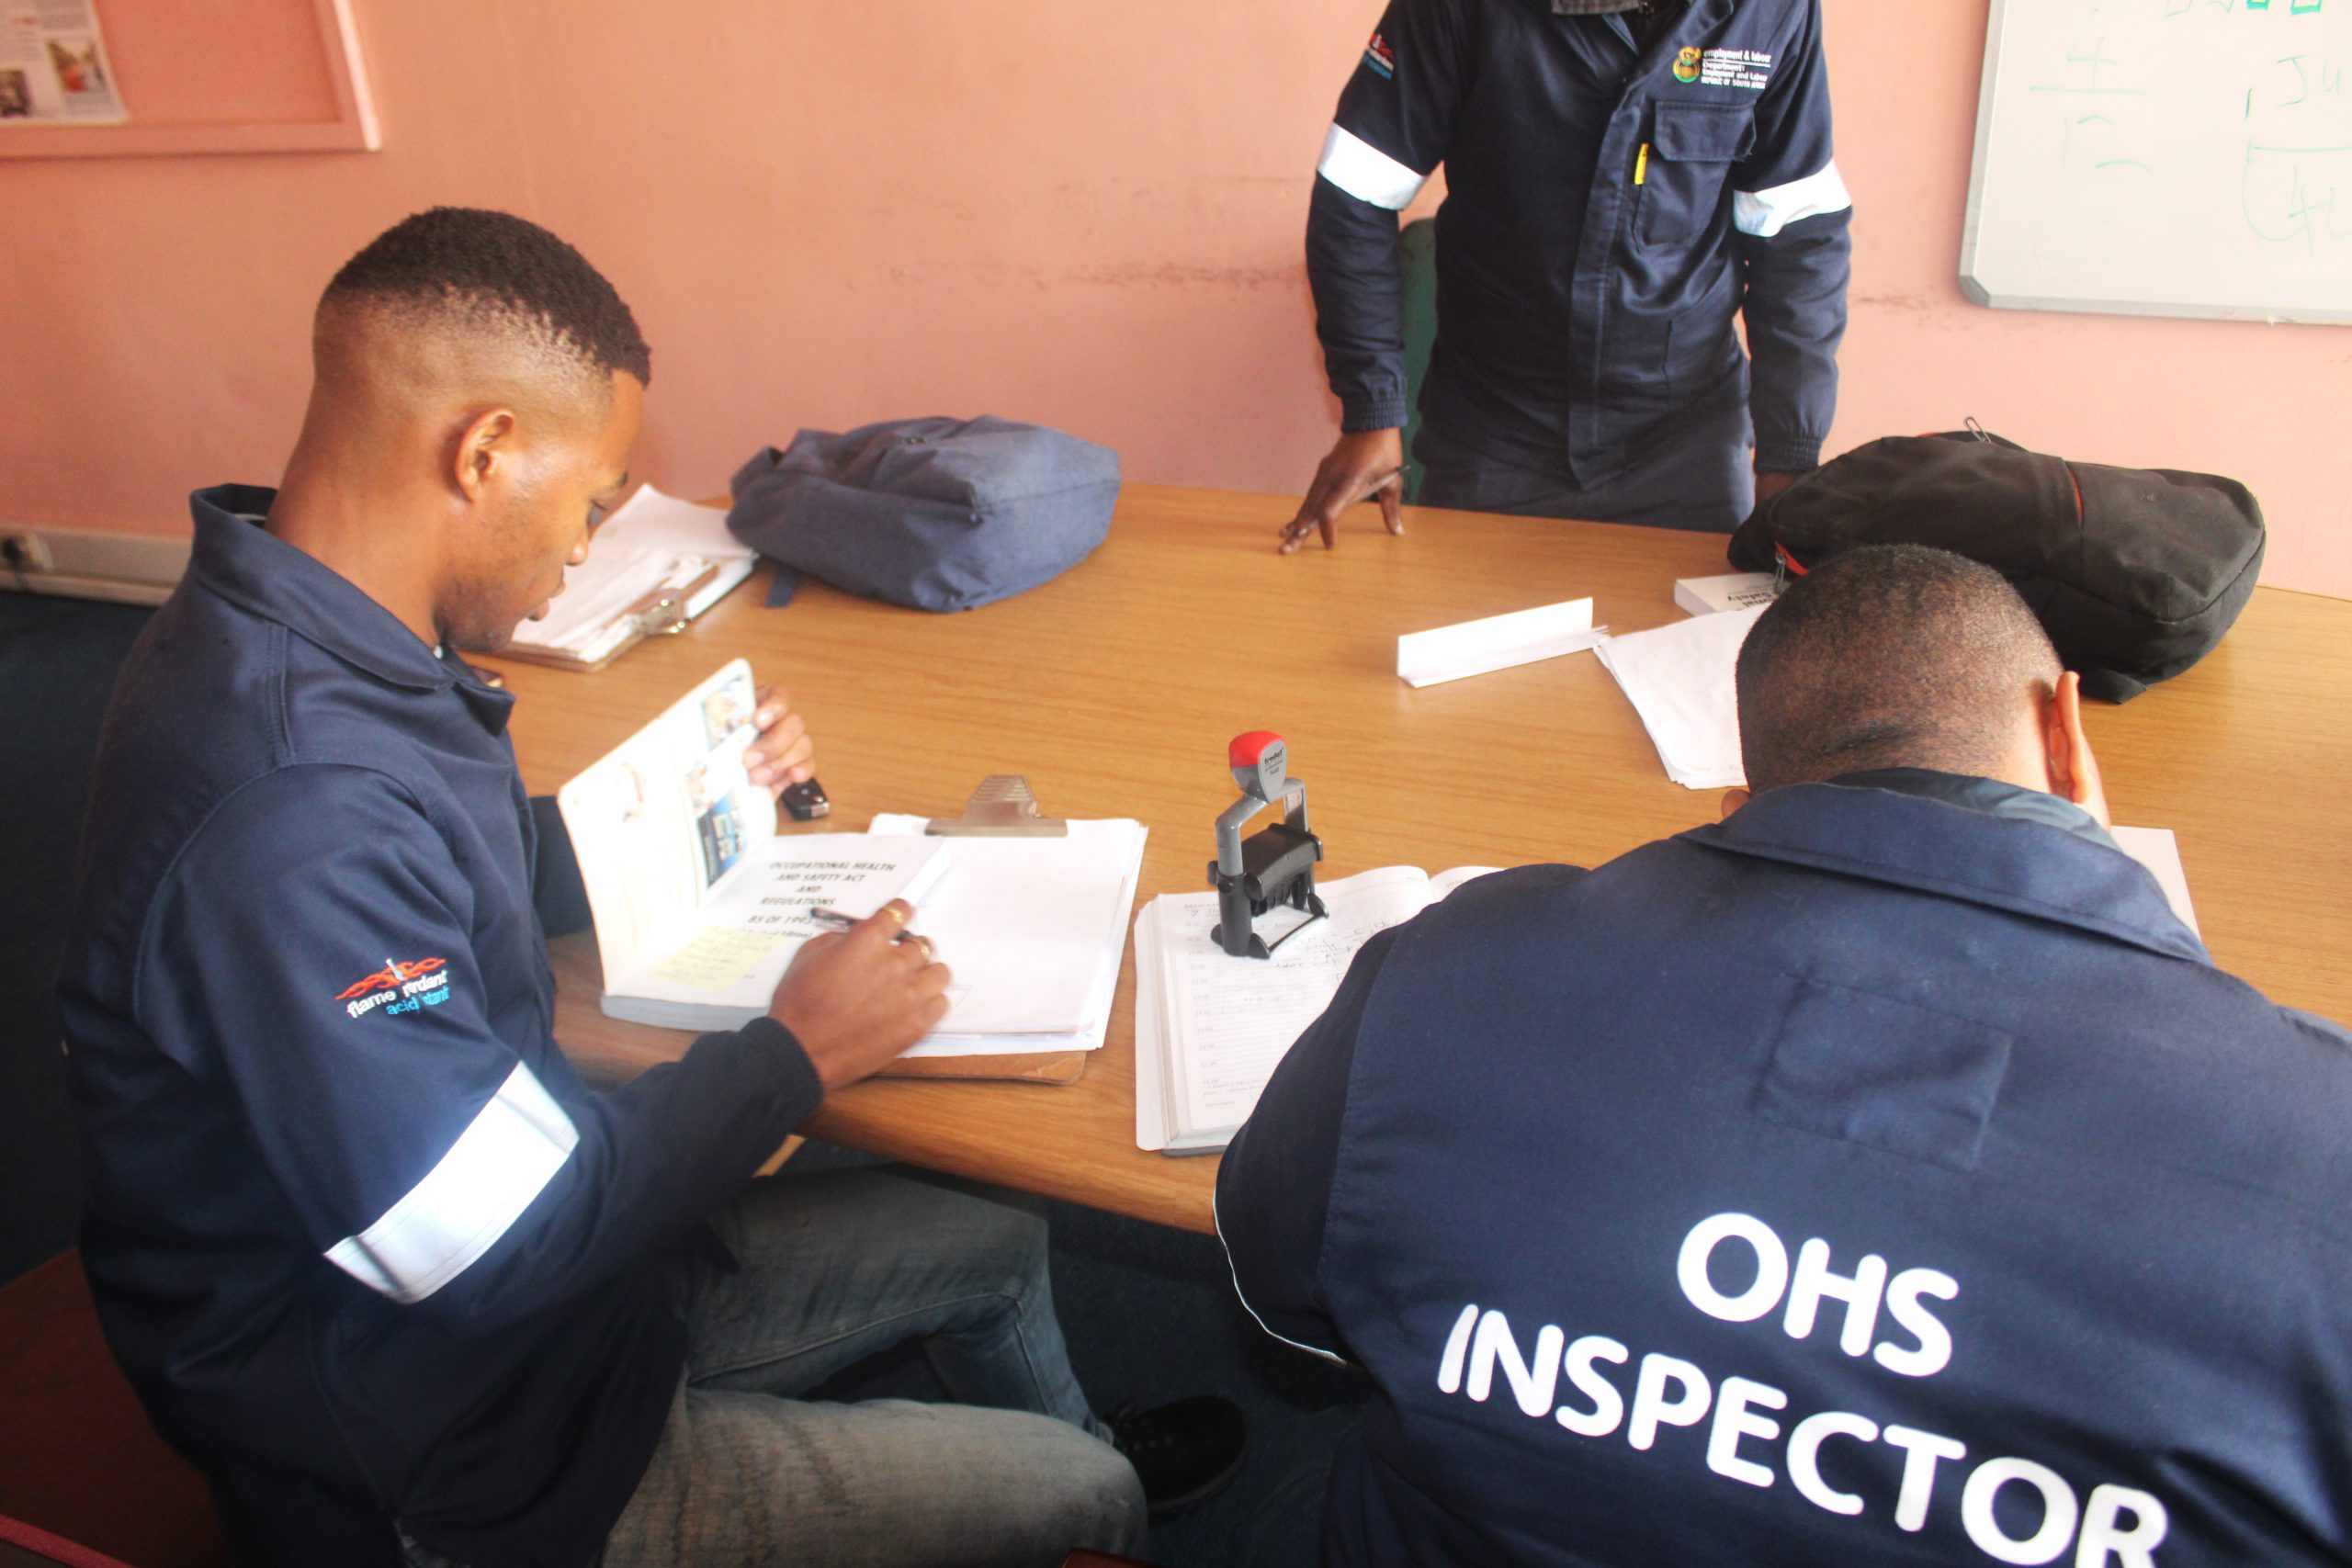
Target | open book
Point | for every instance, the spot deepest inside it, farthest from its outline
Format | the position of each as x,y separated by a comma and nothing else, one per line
1210,1027
699,907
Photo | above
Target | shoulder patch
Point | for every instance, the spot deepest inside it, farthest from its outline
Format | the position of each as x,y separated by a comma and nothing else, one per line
398,987
1379,57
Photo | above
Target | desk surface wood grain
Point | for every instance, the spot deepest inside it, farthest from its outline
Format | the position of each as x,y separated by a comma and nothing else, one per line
1117,686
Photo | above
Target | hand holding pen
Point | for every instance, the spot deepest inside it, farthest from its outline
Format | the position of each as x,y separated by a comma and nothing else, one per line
841,920
858,995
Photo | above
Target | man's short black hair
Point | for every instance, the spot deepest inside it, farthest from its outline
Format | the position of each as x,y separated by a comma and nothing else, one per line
498,271
1892,656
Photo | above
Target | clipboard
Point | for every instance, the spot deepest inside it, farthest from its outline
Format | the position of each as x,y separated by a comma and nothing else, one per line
1004,807
692,586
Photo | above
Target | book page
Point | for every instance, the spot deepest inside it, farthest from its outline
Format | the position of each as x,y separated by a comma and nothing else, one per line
1230,1019
664,815
1442,884
717,959
751,924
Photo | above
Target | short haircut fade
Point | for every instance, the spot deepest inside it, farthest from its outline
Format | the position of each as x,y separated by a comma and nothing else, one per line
495,270
1890,656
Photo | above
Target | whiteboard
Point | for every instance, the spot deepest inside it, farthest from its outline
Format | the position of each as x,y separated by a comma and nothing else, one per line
2165,157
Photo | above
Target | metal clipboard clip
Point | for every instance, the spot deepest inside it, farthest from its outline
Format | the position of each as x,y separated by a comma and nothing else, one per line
663,612
1004,806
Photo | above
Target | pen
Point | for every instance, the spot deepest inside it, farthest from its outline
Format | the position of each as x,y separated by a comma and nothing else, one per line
1642,164
840,920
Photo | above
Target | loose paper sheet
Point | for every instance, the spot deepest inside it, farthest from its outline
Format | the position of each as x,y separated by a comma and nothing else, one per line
1679,678
2157,848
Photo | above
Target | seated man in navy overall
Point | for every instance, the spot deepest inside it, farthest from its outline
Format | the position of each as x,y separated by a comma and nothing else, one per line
1882,1176
403,1283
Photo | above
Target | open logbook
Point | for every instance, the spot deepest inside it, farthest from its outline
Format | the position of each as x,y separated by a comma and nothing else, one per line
699,907
1210,1027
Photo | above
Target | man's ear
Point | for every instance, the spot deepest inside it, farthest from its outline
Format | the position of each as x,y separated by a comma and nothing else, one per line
485,450
2066,750
1732,800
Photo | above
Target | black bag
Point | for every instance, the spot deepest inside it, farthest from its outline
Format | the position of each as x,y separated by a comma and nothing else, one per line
2135,572
931,514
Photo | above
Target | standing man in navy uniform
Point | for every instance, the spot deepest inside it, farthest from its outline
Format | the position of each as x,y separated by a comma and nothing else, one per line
1884,1175
1623,178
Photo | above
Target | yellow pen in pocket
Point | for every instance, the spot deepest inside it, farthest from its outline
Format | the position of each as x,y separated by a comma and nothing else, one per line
1642,164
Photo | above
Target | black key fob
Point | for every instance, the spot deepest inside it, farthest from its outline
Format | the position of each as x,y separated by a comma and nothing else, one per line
806,801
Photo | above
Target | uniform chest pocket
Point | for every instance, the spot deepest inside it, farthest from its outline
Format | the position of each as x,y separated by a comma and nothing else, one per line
1691,151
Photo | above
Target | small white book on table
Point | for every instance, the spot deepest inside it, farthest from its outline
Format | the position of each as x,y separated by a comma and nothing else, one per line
1731,591
699,907
1211,1028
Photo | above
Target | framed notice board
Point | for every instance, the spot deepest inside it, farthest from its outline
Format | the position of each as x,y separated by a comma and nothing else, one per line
193,76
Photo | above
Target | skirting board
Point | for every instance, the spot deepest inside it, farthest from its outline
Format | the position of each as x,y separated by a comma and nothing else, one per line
93,563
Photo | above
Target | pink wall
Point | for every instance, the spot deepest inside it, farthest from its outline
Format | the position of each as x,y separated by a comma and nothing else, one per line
1053,209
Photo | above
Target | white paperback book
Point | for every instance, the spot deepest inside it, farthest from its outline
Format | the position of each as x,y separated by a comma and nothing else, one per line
699,907
1210,1028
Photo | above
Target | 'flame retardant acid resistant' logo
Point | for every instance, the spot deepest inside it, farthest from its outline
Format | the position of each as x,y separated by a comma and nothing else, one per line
399,988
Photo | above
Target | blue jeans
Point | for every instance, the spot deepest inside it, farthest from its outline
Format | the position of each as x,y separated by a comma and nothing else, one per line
834,1267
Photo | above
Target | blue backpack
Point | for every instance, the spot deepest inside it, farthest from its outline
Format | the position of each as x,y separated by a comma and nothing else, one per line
931,514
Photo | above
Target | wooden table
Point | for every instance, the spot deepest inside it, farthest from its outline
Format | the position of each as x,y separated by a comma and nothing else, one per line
1116,687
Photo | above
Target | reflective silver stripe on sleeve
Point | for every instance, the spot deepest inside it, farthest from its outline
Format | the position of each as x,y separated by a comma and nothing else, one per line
466,1202
1765,213
1366,173
1218,1226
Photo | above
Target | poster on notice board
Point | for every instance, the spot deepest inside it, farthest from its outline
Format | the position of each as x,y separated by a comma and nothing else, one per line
53,65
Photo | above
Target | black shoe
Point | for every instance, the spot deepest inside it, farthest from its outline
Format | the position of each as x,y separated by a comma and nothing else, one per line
1184,1452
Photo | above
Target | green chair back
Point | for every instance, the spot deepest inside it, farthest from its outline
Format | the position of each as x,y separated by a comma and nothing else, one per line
1419,243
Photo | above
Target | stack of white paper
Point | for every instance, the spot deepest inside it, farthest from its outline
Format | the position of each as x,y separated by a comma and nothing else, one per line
1033,929
1210,1028
1498,642
1679,679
